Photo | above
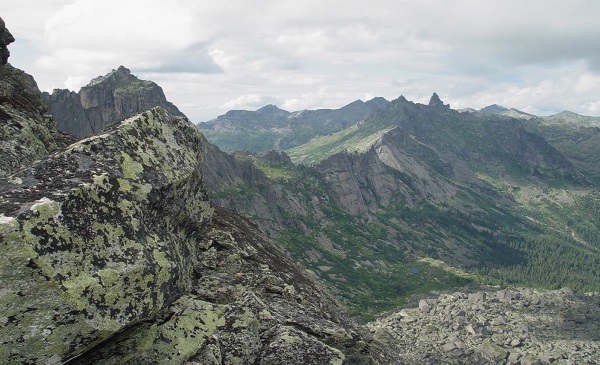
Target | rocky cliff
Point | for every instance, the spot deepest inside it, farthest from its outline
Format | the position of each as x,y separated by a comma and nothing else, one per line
105,101
112,253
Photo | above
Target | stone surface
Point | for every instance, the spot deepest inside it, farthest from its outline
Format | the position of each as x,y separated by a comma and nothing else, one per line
499,327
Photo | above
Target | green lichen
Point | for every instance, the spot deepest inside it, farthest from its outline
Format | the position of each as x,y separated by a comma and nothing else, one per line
131,169
78,269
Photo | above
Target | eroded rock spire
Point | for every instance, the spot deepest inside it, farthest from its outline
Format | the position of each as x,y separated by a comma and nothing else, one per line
6,38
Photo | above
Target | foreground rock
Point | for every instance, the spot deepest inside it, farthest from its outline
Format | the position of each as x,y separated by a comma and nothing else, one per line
497,326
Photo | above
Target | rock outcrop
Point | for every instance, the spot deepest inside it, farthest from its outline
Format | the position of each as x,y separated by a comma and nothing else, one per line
6,38
27,130
496,326
436,102
112,253
106,100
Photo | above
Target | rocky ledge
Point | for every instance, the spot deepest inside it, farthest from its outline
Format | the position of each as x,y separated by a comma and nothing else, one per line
496,326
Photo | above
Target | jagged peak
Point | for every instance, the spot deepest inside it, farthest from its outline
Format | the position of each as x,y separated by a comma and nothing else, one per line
436,102
121,74
6,38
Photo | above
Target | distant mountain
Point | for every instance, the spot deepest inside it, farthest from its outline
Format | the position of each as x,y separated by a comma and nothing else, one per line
493,109
106,100
517,114
576,136
571,119
499,110
272,128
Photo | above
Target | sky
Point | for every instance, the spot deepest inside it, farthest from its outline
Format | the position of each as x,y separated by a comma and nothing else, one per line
541,57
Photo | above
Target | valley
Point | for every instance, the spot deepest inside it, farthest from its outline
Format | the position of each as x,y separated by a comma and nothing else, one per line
381,232
369,207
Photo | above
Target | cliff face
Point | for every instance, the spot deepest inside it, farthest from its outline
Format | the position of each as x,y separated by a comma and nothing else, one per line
113,253
105,101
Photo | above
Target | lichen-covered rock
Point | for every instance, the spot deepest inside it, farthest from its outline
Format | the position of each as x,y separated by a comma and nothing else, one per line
250,305
97,237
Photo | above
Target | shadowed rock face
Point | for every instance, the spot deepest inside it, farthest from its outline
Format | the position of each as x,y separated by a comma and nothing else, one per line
5,39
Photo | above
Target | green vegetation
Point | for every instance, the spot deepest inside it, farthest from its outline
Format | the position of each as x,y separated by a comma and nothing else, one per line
134,86
479,200
353,139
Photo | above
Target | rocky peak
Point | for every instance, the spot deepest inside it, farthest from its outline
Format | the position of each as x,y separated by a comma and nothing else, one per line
272,110
6,38
436,102
105,101
115,76
378,101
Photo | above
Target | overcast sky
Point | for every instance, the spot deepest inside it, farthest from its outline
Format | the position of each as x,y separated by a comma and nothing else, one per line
541,57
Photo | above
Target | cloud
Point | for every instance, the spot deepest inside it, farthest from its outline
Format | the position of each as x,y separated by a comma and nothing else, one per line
249,101
312,54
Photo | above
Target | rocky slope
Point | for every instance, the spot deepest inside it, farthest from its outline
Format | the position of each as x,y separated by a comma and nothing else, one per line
496,326
105,101
113,253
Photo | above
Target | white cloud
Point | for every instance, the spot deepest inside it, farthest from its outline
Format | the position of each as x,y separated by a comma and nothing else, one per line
312,54
248,102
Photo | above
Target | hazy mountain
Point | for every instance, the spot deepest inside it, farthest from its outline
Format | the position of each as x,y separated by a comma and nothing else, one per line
500,110
493,109
517,114
572,119
272,128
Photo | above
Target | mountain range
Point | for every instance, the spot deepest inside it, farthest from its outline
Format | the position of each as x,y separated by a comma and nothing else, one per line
379,200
